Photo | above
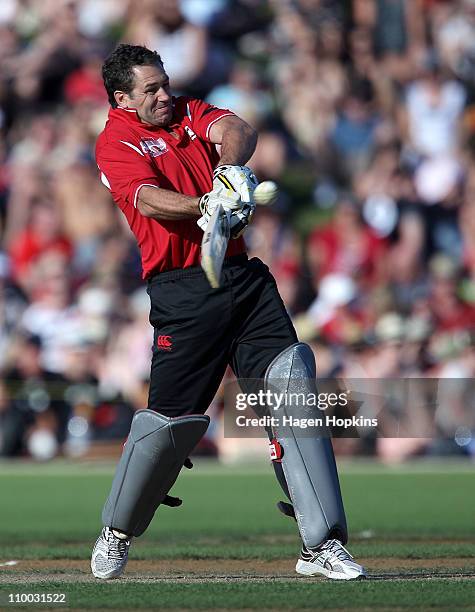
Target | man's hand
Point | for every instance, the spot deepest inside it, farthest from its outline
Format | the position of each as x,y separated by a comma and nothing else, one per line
238,179
240,219
233,188
210,201
240,212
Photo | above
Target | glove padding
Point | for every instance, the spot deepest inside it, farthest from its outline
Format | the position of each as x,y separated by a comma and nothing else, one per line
233,188
242,180
210,201
238,179
239,218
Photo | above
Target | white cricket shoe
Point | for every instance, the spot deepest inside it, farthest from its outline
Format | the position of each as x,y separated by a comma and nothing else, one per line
109,556
331,559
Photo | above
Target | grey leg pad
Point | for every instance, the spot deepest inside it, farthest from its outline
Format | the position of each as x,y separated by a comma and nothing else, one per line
308,462
152,458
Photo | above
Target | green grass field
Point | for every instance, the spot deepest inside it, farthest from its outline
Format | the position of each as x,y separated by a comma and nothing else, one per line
228,547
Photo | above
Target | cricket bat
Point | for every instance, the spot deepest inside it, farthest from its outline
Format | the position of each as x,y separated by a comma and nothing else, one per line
214,245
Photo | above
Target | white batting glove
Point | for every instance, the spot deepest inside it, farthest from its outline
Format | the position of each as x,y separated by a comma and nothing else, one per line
210,201
240,219
238,179
233,188
240,213
241,179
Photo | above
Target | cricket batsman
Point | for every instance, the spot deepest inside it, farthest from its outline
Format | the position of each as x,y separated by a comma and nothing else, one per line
157,155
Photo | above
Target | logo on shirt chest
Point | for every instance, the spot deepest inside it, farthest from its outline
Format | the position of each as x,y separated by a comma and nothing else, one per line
154,146
190,133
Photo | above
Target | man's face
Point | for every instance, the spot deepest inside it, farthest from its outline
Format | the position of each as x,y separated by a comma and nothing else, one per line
150,97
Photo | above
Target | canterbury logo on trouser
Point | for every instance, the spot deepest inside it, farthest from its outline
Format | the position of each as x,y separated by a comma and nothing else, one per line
164,343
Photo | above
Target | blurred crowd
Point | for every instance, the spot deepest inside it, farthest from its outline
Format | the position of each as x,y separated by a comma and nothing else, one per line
366,116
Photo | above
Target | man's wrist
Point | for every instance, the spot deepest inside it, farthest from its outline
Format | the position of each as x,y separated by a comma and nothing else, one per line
196,206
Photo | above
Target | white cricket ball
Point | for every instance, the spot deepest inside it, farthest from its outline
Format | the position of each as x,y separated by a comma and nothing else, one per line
266,193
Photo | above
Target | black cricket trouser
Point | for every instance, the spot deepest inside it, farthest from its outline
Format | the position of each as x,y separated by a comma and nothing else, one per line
198,331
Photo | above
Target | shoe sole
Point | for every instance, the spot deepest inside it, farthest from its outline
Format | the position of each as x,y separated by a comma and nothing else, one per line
106,577
110,576
310,569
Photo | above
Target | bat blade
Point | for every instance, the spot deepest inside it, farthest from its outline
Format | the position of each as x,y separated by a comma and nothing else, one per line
214,245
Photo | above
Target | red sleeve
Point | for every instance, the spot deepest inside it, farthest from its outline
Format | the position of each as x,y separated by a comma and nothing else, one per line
124,170
202,116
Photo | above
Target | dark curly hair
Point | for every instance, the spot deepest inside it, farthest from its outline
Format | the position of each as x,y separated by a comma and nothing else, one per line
117,70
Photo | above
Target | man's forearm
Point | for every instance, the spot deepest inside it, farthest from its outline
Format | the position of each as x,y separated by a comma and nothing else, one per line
166,205
238,143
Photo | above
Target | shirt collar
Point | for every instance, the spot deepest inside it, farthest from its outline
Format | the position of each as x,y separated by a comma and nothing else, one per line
127,114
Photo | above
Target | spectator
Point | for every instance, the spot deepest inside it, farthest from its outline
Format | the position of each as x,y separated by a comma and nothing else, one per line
346,245
433,111
41,237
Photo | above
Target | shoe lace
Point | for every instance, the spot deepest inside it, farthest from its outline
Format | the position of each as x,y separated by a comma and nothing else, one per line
117,547
337,548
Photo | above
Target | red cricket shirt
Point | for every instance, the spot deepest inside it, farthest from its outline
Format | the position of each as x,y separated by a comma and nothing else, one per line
131,154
